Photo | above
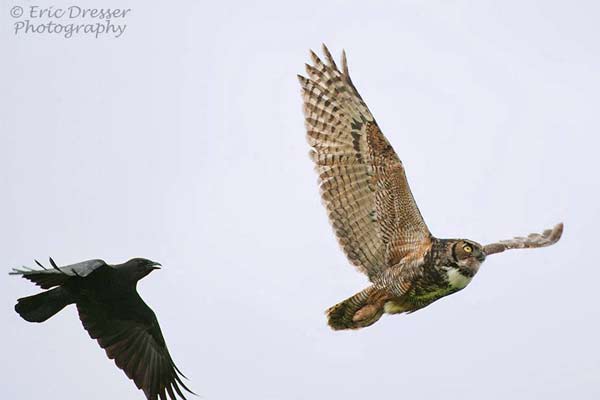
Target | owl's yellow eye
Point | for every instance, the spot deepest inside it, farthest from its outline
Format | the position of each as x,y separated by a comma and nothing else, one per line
467,248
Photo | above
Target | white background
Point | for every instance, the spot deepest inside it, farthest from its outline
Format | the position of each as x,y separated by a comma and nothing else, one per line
183,141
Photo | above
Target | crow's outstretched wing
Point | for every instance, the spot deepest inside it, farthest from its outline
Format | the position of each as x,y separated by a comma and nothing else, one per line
129,333
48,277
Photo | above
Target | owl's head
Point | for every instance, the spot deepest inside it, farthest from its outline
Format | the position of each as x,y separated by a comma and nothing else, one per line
467,254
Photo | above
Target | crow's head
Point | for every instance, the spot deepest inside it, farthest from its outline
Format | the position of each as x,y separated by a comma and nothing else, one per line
138,268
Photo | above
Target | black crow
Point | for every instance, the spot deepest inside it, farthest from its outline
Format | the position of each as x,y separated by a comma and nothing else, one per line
113,313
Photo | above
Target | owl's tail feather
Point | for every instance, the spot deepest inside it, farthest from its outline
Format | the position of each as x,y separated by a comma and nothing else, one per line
359,311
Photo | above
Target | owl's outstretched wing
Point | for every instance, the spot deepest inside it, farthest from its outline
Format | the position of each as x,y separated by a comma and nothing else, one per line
362,180
546,238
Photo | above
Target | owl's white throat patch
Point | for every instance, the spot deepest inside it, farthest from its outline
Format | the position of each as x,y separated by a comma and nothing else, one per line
456,279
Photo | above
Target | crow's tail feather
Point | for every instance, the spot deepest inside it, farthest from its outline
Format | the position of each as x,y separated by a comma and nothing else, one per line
40,307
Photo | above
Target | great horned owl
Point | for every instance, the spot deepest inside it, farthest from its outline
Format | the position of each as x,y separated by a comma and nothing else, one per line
373,213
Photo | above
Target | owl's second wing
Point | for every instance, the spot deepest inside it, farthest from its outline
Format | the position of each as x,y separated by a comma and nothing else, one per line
362,180
533,240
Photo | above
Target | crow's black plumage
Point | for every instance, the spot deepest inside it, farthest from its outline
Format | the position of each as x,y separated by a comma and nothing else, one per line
113,313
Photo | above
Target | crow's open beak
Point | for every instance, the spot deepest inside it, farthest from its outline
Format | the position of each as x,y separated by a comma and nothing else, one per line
156,265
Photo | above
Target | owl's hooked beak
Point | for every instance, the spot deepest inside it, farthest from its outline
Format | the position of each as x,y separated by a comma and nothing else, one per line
481,257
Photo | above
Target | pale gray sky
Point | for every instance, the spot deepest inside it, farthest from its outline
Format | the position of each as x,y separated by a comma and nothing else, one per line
183,141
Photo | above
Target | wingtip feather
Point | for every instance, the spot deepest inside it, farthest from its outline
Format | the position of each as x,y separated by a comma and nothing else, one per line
303,80
345,63
558,230
328,56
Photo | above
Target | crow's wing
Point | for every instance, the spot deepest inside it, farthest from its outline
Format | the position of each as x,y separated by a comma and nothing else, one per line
129,333
363,184
55,276
533,240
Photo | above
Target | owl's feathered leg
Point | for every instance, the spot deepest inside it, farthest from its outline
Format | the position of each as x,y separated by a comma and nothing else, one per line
359,311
